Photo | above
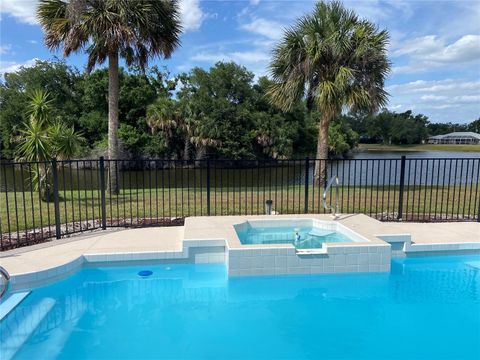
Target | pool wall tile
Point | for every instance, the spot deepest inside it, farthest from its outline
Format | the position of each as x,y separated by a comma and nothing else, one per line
316,269
352,259
363,259
363,268
269,261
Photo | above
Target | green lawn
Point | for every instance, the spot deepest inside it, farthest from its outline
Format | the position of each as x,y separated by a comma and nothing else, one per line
178,202
420,147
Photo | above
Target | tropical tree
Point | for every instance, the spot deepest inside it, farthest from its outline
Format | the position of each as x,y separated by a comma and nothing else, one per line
341,138
335,61
42,139
109,29
164,115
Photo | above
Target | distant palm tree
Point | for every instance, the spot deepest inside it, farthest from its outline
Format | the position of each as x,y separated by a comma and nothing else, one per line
203,142
108,29
162,114
335,61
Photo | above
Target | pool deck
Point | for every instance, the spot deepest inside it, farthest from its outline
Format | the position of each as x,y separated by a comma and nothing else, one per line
58,257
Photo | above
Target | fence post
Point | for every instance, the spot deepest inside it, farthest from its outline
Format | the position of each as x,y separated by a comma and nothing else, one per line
208,187
478,211
56,199
402,187
102,193
307,174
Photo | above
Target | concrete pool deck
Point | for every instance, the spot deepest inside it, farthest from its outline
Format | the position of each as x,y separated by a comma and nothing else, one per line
213,239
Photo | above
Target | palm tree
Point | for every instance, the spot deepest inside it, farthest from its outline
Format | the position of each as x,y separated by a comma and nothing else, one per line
164,115
333,60
108,29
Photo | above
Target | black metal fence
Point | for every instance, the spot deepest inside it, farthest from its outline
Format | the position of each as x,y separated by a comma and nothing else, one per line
164,192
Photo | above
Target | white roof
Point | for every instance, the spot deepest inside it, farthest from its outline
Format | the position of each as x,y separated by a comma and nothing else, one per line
465,134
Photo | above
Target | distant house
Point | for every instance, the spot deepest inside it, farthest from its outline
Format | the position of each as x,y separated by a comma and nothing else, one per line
455,138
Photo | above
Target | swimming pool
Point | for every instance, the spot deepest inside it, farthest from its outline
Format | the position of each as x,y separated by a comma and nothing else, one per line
302,233
426,308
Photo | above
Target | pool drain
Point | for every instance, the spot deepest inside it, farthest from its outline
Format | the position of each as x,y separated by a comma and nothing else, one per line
145,273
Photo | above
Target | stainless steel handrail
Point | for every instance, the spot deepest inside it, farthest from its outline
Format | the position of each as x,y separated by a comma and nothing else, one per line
335,210
6,275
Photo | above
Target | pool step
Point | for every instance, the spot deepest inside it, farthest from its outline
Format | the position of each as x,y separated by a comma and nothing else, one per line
9,303
20,329
474,264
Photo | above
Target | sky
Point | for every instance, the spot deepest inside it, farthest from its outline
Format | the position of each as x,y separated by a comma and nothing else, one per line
434,45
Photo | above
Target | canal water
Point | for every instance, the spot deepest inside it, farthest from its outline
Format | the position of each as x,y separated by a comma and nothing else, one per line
366,168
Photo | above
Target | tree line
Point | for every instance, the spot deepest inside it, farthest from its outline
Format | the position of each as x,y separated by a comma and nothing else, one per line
405,128
222,112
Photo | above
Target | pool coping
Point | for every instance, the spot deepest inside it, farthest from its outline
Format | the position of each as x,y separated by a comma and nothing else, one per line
215,240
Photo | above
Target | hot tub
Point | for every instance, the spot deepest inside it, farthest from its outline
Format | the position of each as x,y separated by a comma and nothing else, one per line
302,233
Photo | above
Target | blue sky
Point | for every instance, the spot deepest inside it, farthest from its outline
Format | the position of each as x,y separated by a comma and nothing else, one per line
435,45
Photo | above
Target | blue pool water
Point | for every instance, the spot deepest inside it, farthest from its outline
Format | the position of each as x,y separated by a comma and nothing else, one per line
427,308
309,237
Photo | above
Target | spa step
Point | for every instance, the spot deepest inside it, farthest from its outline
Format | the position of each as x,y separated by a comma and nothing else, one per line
320,232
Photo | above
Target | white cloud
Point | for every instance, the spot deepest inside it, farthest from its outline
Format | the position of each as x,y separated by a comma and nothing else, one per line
455,100
255,60
418,46
5,49
433,98
243,57
12,66
465,49
429,86
431,48
254,2
210,57
191,14
22,10
445,106
268,28
467,99
430,52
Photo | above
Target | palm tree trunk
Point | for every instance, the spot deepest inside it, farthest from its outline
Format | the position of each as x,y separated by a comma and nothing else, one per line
44,183
200,153
186,149
113,90
320,175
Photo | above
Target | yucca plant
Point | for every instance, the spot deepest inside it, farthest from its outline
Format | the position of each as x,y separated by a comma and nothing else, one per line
335,61
65,141
41,139
109,29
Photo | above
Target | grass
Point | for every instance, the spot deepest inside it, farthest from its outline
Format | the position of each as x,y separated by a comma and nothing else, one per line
180,202
420,147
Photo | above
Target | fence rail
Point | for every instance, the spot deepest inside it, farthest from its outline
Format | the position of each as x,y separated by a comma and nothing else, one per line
164,192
